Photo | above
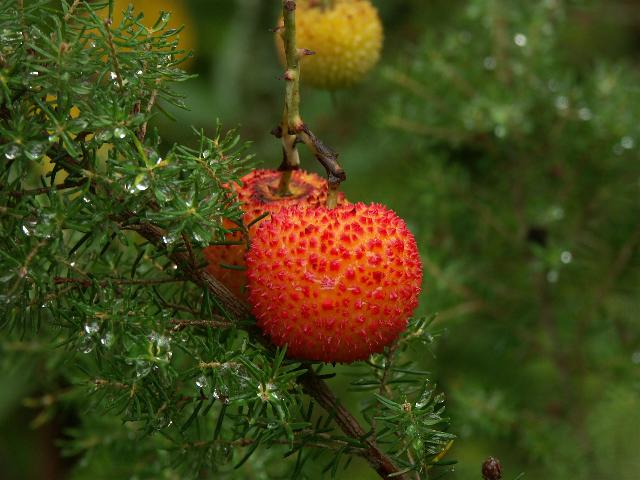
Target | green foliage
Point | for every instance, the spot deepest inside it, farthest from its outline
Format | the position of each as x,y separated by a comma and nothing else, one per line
525,172
105,305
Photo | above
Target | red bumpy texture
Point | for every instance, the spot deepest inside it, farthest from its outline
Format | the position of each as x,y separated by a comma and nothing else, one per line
334,285
257,193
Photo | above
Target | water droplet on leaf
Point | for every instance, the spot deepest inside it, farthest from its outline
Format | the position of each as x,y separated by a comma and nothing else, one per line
11,152
34,150
91,328
104,135
107,340
201,382
119,132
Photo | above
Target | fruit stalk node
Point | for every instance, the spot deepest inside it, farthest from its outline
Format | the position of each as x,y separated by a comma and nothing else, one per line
292,129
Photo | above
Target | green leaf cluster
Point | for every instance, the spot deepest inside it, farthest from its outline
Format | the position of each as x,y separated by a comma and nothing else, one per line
102,228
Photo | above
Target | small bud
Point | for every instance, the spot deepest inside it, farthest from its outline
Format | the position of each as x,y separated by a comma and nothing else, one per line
303,52
277,132
290,5
289,75
491,469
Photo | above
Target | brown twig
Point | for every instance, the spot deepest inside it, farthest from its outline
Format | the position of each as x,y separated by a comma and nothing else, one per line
112,52
41,190
115,281
182,324
71,10
318,389
142,133
237,311
187,244
292,129
323,440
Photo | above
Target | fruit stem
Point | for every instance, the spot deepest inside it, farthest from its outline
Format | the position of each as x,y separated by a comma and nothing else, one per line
283,187
291,121
332,196
292,129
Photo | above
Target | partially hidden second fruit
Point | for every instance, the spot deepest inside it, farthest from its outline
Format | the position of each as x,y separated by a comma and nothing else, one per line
346,36
257,193
334,285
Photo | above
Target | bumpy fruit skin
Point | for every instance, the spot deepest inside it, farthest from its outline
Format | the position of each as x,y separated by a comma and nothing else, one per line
257,194
346,39
334,285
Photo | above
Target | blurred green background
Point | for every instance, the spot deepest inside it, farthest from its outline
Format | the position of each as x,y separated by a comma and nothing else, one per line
506,133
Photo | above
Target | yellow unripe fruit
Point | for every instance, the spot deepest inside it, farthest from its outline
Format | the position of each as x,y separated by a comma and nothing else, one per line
346,38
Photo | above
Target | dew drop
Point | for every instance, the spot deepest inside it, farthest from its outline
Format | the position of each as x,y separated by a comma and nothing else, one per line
91,328
585,114
11,152
424,400
34,150
520,39
556,212
566,257
161,347
104,135
201,382
552,276
143,368
490,63
107,340
169,238
142,182
627,143
617,149
562,102
120,133
79,124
